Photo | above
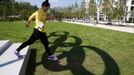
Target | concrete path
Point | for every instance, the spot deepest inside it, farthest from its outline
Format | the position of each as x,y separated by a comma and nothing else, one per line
116,28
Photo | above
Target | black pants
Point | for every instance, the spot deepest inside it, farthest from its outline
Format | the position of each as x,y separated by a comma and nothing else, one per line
35,36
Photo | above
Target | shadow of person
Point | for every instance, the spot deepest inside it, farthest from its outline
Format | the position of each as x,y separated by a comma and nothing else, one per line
111,67
75,56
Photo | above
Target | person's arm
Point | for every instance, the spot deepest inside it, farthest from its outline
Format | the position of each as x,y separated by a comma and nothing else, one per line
30,19
50,17
39,16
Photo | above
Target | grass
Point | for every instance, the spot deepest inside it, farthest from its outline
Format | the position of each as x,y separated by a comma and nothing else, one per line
82,50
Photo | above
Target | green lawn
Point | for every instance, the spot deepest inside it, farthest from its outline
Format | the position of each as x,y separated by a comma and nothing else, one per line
82,50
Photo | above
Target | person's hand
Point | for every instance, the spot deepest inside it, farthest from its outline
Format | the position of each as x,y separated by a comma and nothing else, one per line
28,24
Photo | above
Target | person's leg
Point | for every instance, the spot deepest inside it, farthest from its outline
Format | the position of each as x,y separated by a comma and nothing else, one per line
31,40
45,43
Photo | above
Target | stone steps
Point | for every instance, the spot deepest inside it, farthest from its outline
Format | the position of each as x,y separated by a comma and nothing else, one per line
9,63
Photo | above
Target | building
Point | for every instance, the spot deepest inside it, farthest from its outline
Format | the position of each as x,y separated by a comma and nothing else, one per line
129,10
128,7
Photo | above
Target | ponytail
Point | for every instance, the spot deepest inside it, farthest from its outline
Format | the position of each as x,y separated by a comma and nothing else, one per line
47,0
46,3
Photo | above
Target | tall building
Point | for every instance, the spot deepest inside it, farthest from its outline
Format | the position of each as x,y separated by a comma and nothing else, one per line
129,9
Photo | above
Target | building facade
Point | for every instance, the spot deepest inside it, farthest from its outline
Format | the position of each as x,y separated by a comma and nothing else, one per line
129,10
128,7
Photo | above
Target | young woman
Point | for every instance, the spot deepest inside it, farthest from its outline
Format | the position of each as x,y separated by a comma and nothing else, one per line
40,17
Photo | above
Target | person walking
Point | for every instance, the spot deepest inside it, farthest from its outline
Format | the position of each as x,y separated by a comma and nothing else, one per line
39,31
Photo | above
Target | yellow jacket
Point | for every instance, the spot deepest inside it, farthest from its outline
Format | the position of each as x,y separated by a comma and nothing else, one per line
40,17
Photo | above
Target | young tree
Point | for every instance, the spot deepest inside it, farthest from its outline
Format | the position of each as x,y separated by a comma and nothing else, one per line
92,9
107,9
82,9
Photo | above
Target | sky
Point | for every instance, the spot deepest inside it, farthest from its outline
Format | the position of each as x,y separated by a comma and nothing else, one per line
54,3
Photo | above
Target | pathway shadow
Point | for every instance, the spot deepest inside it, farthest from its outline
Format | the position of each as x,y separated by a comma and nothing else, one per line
10,62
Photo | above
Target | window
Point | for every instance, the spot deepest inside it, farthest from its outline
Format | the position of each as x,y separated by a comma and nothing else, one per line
132,8
132,2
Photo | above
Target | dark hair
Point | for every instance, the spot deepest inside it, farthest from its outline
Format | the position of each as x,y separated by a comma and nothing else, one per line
46,3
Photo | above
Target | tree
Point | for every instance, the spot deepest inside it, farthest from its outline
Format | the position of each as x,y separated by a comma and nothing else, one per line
107,9
113,9
71,11
92,9
82,9
119,10
10,8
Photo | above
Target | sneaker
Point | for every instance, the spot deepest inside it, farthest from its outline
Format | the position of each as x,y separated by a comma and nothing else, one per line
17,54
52,58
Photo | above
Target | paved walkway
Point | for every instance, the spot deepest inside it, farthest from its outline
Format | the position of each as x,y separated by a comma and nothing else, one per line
117,28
